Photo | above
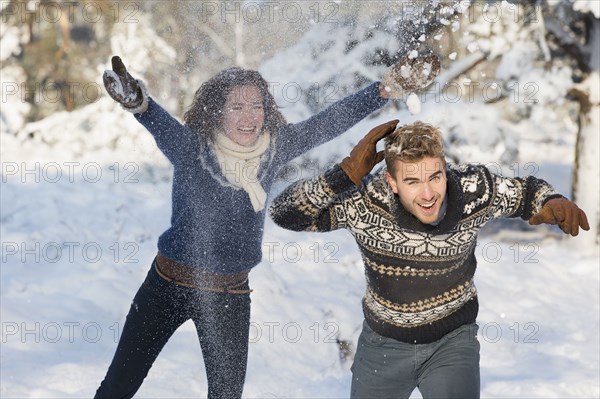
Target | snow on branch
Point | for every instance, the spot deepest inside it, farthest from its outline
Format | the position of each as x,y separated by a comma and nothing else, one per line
567,41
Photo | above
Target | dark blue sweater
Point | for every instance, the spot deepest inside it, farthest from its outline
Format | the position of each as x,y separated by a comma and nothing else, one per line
213,224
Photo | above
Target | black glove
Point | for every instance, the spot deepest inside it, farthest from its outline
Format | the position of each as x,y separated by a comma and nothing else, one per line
121,86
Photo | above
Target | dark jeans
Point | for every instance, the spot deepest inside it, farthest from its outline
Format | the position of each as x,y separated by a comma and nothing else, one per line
158,309
386,368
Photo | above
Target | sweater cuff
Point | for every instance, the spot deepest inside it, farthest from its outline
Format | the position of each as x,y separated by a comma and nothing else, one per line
374,96
551,197
338,180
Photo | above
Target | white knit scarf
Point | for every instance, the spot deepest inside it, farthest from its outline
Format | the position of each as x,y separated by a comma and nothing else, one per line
239,164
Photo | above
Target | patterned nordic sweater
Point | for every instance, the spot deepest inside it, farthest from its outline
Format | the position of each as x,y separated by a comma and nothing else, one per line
419,277
213,224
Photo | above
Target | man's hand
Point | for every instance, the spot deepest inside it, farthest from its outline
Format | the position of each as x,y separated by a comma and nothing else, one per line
121,86
364,156
413,72
563,212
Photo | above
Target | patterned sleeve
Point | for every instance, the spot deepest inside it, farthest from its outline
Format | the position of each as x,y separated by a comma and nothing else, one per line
518,197
310,204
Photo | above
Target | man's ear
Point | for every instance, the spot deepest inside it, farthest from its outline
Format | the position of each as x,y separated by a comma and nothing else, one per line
391,182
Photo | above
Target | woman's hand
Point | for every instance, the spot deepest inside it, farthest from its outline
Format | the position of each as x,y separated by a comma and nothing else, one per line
123,88
413,72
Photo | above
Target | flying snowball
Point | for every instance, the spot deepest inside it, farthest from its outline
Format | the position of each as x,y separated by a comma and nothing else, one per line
427,68
472,47
413,103
405,71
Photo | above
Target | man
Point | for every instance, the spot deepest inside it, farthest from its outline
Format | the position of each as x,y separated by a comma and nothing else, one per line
416,223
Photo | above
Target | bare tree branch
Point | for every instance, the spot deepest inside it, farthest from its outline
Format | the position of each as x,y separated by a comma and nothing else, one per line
567,42
221,44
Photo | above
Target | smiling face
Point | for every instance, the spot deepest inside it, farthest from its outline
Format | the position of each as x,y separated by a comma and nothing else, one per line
421,187
243,115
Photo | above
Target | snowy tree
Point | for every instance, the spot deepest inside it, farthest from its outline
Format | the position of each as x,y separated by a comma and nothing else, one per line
574,27
523,70
56,46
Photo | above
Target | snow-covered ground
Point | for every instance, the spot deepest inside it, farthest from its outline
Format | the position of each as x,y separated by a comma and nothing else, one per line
82,206
85,195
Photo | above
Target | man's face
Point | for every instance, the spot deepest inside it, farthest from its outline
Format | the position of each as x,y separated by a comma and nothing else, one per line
421,187
244,115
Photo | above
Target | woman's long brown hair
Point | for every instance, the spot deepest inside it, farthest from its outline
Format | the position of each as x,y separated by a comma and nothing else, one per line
206,112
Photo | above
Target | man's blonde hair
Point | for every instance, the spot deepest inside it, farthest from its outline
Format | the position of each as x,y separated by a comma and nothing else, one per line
411,143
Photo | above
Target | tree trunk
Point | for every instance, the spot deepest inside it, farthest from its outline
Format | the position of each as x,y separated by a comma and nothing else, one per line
586,173
240,59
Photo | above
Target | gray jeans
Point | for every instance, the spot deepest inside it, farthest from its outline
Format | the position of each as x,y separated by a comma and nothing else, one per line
386,368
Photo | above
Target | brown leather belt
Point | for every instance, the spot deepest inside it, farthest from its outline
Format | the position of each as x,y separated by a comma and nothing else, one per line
194,277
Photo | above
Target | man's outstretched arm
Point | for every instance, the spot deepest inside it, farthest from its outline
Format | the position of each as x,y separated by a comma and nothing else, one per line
566,214
310,204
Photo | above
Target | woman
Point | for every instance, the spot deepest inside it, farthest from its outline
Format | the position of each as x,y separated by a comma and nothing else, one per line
225,156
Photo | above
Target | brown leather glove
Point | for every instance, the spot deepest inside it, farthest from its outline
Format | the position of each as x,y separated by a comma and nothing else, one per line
364,155
563,212
121,86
